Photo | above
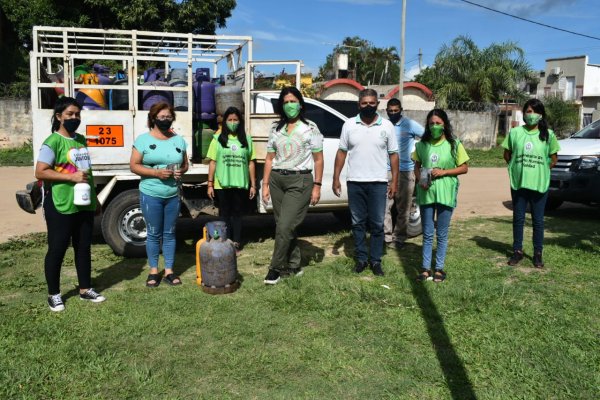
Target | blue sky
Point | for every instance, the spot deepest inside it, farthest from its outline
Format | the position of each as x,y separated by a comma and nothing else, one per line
309,29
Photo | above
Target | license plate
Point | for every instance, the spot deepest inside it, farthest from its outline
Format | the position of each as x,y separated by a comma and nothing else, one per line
104,135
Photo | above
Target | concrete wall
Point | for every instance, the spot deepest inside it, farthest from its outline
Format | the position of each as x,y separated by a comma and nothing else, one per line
476,130
340,92
570,66
16,127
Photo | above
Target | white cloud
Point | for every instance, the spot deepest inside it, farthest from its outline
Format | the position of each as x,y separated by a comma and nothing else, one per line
413,71
270,36
521,9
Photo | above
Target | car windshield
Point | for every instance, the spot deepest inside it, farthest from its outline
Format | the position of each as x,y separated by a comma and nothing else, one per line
592,131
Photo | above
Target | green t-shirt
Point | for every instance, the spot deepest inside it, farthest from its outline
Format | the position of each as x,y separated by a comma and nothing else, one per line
439,155
70,155
231,162
158,154
529,166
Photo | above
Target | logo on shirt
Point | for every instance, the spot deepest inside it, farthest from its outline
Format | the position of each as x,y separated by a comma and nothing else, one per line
528,146
80,158
434,158
234,147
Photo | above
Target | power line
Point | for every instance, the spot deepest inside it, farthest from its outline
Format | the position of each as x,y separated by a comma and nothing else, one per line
528,20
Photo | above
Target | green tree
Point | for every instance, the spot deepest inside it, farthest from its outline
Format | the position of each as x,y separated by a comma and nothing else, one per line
464,72
18,16
366,63
562,115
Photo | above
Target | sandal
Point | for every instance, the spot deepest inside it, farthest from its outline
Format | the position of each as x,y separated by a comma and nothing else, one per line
425,275
172,280
153,280
439,276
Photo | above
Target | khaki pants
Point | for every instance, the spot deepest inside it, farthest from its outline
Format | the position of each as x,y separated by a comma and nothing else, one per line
402,200
290,195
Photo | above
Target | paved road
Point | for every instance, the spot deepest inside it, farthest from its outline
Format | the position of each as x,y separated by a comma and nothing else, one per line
483,192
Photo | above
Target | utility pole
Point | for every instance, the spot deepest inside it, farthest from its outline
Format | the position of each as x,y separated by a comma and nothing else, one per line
402,45
420,59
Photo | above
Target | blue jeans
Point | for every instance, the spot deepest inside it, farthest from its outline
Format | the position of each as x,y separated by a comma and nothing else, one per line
428,214
537,200
366,201
160,215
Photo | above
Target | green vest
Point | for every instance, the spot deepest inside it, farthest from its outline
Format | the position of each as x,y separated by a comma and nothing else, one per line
232,164
529,166
70,156
442,190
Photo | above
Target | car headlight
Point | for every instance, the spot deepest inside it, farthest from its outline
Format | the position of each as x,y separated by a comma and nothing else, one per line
588,162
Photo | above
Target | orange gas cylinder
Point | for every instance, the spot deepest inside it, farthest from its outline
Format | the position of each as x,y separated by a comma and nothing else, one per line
216,262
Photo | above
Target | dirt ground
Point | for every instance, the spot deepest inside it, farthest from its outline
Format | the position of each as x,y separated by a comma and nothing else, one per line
483,192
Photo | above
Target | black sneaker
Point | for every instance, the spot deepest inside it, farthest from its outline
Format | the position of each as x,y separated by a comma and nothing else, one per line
92,295
273,276
55,303
360,266
537,260
516,257
376,268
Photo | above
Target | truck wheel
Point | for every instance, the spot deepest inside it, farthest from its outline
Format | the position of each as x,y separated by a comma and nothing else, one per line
552,203
123,225
414,227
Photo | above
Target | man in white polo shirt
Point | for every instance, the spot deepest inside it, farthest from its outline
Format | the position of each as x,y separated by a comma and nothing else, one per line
368,141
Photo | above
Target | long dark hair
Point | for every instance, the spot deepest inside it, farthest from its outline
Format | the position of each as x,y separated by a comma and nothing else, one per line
225,131
283,119
61,105
537,106
448,131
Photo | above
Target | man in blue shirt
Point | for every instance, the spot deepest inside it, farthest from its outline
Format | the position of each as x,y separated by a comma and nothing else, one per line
406,132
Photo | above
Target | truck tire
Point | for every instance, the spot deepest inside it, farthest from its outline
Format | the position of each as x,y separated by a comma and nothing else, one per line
123,225
552,203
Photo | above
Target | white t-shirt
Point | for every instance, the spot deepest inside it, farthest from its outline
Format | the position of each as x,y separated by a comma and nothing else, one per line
295,150
368,148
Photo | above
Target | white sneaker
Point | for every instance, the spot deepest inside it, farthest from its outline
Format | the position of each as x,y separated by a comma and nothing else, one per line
92,295
55,303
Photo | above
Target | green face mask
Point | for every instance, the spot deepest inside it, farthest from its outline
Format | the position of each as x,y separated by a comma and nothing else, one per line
291,110
436,131
232,126
532,119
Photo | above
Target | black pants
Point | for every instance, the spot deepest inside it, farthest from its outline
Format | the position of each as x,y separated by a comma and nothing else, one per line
64,229
232,203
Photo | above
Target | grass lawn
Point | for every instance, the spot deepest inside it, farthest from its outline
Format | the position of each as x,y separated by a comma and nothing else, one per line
486,158
17,157
489,332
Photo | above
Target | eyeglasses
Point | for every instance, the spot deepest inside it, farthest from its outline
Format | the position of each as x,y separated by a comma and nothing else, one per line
164,119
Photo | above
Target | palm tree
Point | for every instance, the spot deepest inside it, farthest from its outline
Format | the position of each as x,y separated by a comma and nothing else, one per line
366,61
463,72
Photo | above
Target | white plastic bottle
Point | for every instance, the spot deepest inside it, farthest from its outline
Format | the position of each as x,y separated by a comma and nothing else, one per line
82,194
